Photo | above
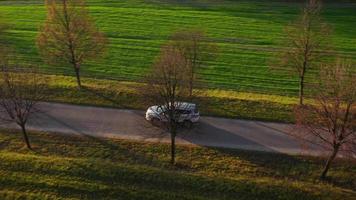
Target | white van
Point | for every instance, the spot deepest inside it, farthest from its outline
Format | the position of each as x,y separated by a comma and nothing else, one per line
188,114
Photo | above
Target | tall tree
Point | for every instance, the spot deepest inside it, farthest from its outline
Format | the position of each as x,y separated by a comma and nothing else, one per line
168,86
194,46
331,121
306,43
69,36
21,89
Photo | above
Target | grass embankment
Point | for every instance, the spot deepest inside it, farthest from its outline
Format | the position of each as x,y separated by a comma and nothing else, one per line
221,103
247,33
83,167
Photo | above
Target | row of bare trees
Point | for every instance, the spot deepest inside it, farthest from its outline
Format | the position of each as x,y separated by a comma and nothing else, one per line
330,119
69,37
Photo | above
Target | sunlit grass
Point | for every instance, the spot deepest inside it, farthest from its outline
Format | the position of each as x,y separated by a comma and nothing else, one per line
84,167
123,94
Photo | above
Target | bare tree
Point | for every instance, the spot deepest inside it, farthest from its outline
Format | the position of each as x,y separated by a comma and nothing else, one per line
168,87
306,43
20,91
194,46
331,121
69,36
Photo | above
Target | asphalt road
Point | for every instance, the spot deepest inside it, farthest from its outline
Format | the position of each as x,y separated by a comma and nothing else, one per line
131,124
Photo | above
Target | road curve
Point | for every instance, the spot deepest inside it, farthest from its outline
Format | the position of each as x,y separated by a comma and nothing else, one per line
130,124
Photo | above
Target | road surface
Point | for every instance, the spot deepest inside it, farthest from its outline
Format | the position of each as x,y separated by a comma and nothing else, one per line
131,124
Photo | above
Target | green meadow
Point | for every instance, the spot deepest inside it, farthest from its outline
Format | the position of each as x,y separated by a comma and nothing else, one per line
247,32
83,167
239,84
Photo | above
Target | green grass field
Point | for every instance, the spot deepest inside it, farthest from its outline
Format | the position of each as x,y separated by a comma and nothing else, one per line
247,32
83,167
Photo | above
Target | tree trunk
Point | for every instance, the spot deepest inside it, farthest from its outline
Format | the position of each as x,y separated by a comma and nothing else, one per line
191,79
328,163
301,89
173,145
173,150
191,87
27,141
77,74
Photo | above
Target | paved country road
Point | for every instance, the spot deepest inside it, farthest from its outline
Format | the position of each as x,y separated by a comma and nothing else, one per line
131,124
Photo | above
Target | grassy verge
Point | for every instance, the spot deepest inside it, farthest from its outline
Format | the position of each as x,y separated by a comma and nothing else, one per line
223,103
83,167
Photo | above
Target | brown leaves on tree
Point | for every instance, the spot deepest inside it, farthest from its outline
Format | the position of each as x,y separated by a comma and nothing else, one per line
69,36
168,78
193,44
307,42
168,86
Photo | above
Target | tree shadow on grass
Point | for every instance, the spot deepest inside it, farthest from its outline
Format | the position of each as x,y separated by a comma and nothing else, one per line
107,97
115,98
269,163
209,136
301,167
121,179
107,145
267,160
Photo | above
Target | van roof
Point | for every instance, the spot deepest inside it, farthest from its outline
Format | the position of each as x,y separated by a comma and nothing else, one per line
185,105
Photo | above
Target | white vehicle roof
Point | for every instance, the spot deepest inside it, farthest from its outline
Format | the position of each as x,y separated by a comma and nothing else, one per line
179,105
185,106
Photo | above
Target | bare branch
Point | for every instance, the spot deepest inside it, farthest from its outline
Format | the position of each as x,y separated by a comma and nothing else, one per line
332,119
20,91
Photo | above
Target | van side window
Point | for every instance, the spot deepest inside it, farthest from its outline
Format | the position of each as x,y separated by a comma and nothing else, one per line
183,112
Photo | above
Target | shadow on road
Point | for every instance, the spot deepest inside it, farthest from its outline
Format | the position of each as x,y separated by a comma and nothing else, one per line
210,137
105,143
205,134
273,162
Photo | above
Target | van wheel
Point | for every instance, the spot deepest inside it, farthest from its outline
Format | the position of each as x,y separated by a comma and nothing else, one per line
188,124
